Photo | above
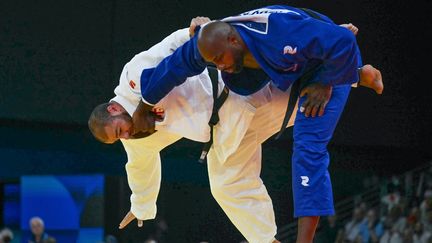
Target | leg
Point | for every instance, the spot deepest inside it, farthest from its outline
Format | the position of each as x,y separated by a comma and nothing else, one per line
306,228
237,187
235,180
312,189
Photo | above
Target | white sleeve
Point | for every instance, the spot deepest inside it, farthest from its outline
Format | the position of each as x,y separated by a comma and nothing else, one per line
144,171
144,176
128,92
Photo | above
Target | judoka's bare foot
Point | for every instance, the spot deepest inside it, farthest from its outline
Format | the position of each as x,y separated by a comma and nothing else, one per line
370,77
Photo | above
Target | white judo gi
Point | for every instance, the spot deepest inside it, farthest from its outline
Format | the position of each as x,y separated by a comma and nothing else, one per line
233,162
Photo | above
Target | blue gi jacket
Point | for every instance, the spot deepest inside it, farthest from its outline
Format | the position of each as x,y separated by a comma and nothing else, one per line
285,41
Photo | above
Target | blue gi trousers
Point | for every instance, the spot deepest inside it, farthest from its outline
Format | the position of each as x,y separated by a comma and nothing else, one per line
312,189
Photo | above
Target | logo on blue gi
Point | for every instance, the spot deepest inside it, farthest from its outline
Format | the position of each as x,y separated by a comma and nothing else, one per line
289,50
305,180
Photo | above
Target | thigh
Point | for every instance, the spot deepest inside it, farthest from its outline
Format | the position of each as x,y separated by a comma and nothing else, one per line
311,181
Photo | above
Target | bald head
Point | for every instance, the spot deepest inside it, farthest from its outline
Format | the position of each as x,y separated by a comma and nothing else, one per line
214,33
221,44
98,120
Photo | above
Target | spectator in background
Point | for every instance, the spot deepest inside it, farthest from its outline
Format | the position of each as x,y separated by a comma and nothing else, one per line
352,228
39,235
392,197
391,235
421,235
111,239
398,220
413,216
408,235
6,235
371,229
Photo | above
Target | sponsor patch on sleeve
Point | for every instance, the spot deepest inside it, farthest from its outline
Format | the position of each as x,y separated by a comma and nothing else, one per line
132,84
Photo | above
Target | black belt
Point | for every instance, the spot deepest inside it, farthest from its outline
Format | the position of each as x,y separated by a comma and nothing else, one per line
217,104
299,84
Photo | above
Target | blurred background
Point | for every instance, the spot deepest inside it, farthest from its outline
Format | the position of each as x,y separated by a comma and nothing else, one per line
59,59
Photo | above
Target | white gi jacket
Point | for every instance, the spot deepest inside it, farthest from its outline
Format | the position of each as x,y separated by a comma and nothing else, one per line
234,161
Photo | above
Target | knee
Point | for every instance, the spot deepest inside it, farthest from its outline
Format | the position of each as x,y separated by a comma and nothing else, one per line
315,147
313,156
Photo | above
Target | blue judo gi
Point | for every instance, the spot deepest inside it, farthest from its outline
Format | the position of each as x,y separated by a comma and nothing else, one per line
286,42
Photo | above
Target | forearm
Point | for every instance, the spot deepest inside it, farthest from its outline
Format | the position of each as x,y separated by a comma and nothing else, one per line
144,171
145,184
144,175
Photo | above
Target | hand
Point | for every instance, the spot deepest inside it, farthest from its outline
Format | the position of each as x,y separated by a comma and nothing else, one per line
318,95
351,28
129,218
143,119
197,21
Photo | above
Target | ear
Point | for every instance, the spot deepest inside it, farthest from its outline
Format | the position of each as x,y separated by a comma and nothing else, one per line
115,109
232,39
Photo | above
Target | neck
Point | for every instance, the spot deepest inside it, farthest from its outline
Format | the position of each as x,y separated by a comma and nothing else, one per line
250,61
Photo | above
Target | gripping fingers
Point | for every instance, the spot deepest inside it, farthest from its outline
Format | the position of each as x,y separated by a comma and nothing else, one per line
308,110
303,106
197,21
315,109
322,108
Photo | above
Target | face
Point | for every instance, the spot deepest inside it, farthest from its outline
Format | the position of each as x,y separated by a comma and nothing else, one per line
36,227
120,126
226,55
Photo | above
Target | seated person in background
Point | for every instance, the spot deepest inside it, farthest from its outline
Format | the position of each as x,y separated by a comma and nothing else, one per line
6,235
372,229
39,235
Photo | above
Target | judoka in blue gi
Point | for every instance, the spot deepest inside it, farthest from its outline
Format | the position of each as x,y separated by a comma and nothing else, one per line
278,44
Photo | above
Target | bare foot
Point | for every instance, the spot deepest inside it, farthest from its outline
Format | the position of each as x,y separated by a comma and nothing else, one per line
370,77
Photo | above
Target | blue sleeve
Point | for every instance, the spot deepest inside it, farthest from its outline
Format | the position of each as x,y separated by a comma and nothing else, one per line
335,46
185,62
